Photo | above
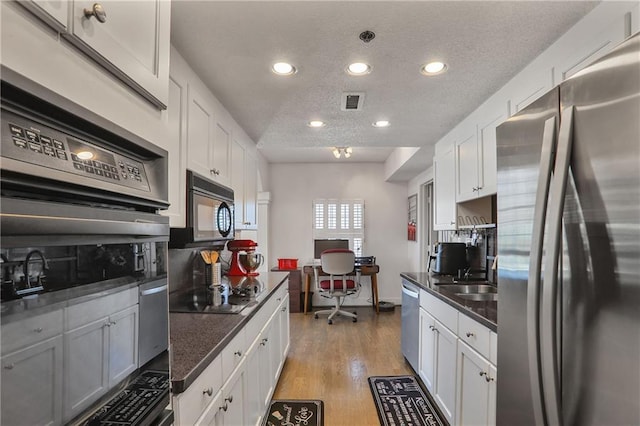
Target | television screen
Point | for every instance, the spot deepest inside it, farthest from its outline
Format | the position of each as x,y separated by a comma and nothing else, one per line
321,245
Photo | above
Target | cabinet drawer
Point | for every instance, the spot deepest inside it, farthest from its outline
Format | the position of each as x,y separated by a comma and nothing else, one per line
100,307
190,404
233,354
20,334
444,313
475,335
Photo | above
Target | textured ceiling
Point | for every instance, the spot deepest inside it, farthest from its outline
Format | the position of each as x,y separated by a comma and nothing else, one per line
232,44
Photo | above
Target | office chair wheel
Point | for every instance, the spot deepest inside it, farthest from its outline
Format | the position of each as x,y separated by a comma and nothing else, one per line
316,316
330,322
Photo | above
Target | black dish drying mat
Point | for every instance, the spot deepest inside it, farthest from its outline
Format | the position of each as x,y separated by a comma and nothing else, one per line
401,400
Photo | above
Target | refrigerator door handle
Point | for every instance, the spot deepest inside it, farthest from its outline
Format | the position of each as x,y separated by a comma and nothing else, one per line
548,330
535,265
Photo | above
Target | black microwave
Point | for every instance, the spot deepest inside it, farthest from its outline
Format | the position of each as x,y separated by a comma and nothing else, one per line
210,213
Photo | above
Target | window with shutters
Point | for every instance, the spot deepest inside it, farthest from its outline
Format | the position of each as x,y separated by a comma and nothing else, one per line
341,219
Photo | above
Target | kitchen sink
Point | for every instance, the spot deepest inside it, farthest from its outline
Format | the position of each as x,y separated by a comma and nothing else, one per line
479,297
469,288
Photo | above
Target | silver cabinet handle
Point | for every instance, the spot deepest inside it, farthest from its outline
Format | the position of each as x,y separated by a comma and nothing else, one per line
230,399
246,223
488,378
208,391
238,353
225,407
214,172
431,328
38,330
98,11
9,367
483,373
283,309
107,324
470,334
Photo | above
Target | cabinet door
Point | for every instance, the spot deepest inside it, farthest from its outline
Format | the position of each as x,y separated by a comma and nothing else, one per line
444,217
53,12
221,154
132,43
199,136
266,365
238,182
487,161
250,190
427,360
474,378
467,167
32,384
254,399
233,404
123,344
86,364
177,127
284,331
445,382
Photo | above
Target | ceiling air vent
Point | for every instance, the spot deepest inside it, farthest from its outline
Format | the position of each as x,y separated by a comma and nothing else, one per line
352,101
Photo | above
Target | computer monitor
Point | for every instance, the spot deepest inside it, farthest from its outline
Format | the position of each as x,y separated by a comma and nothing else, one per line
326,244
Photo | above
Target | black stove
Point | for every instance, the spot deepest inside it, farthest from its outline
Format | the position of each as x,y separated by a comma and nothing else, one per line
136,404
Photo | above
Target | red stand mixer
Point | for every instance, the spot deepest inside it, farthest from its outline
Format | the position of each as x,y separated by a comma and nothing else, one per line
244,259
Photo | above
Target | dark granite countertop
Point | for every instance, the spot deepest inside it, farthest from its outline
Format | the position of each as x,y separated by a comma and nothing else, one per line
485,312
197,339
37,304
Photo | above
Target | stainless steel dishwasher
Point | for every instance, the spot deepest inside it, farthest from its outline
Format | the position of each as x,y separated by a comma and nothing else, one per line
410,339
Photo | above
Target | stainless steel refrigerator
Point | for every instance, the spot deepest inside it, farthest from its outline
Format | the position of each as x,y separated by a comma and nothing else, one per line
569,251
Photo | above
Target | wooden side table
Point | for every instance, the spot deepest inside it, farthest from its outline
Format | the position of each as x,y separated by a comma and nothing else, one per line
365,270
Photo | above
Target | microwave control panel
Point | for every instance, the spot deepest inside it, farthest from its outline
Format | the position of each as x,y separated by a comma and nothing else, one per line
34,143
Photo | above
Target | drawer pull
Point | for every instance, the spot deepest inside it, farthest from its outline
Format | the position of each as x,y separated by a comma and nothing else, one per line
208,391
230,399
238,353
8,367
264,341
284,309
489,379
278,299
470,334
431,328
225,407
38,330
483,373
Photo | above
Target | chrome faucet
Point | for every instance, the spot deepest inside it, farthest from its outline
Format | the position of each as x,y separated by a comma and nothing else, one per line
27,260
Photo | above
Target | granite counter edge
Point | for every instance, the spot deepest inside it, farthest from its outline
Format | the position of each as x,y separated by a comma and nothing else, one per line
460,308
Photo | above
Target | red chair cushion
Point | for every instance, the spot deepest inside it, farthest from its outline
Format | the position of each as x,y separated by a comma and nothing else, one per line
337,284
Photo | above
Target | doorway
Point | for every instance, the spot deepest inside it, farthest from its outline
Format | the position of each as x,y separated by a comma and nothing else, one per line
428,236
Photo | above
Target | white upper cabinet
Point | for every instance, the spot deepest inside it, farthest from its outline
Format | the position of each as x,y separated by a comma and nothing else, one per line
444,172
244,183
221,152
466,157
128,38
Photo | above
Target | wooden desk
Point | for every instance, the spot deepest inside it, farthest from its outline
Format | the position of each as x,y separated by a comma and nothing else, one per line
365,270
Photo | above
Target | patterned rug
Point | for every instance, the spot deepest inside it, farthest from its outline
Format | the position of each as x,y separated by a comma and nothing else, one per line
295,412
400,400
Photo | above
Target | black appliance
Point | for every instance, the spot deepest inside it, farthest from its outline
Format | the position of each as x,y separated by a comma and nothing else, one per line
450,258
210,213
79,217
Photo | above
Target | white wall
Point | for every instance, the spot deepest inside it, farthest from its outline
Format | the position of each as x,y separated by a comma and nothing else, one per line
293,188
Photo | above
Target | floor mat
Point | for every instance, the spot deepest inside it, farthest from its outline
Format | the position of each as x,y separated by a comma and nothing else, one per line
401,400
295,412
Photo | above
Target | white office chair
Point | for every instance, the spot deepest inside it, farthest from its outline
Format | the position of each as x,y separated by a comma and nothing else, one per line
339,264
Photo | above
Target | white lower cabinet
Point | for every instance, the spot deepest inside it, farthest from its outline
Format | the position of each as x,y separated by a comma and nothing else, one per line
254,357
32,384
457,363
476,388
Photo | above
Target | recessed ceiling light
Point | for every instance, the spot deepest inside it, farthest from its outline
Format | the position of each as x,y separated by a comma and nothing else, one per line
381,123
433,68
359,68
316,123
283,68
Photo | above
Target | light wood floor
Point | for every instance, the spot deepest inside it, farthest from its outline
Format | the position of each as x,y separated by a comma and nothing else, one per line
332,363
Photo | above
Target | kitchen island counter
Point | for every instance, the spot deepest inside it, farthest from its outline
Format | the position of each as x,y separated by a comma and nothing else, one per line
484,312
198,338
